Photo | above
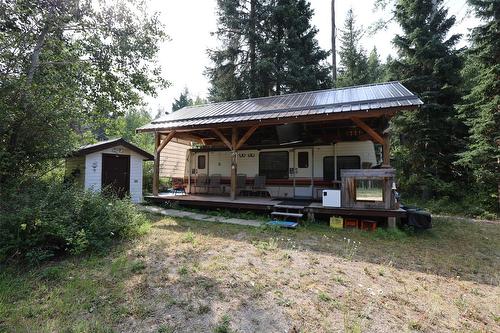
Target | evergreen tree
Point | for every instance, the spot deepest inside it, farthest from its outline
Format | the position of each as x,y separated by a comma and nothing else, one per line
183,100
296,62
353,61
480,107
239,27
268,47
375,67
430,67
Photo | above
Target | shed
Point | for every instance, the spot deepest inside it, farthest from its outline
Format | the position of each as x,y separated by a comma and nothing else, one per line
115,164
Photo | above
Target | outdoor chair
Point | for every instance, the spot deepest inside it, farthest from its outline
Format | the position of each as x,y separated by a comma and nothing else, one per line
214,183
241,181
201,181
259,186
178,186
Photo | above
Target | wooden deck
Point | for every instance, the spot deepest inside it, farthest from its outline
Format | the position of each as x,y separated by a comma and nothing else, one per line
267,205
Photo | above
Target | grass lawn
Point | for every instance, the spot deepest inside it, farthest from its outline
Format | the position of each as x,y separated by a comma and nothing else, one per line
187,276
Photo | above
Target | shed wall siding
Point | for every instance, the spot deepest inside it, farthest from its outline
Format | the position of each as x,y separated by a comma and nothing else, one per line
93,171
93,175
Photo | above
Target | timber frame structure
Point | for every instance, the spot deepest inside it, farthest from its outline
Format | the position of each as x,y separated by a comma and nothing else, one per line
327,116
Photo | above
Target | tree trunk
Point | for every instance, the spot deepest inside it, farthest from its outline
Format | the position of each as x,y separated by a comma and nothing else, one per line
252,45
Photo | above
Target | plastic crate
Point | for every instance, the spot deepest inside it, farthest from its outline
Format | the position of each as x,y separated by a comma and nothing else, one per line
336,222
368,225
350,222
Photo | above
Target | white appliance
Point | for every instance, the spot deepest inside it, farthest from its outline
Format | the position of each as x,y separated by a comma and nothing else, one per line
331,198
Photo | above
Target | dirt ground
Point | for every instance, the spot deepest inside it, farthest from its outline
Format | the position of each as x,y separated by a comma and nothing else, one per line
224,278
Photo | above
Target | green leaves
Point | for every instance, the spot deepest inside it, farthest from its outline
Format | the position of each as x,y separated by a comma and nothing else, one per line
67,68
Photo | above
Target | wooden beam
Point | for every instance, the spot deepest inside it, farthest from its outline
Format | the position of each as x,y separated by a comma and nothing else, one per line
246,136
234,164
189,137
165,142
156,167
361,124
223,138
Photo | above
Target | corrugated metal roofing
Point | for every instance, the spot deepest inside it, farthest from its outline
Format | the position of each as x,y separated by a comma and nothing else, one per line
358,98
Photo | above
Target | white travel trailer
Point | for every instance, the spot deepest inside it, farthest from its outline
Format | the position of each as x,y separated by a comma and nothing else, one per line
298,172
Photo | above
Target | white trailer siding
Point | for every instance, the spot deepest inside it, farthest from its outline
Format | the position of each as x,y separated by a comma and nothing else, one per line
219,162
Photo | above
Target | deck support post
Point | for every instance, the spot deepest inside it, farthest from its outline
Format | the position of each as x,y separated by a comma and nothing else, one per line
156,167
159,145
391,222
234,162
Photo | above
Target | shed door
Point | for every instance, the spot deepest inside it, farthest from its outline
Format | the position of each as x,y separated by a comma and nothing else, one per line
116,174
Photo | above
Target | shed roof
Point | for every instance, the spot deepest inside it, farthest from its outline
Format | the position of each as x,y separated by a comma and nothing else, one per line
380,96
92,148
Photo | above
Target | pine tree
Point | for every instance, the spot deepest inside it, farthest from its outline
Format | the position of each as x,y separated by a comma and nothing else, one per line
375,67
480,107
297,63
268,47
430,67
183,100
353,61
239,29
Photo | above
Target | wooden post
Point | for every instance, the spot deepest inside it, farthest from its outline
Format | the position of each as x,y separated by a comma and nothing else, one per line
391,222
386,151
158,148
234,164
156,168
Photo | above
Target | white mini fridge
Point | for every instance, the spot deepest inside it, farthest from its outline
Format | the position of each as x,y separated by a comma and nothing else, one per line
331,198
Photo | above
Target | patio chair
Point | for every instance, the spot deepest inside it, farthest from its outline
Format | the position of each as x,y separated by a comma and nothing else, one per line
201,181
241,181
178,186
214,183
259,186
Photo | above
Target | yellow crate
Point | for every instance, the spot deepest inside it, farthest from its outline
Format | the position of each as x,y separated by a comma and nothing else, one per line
336,222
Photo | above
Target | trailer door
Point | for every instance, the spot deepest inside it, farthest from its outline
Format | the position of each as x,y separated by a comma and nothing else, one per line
303,173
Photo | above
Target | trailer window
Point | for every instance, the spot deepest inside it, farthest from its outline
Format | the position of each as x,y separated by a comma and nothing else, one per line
274,164
201,161
343,162
303,159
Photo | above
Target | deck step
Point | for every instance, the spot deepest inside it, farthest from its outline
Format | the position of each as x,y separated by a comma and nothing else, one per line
298,215
289,207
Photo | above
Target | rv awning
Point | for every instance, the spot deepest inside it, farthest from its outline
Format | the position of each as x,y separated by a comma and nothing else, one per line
320,105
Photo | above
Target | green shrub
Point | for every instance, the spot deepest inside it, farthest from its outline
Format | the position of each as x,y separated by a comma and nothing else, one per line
49,218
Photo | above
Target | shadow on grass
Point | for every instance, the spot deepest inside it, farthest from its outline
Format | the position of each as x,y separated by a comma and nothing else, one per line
451,249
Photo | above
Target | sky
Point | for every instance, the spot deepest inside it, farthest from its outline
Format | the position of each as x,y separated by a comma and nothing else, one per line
189,24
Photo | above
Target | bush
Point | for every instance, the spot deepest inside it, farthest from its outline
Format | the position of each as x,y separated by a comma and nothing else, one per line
47,219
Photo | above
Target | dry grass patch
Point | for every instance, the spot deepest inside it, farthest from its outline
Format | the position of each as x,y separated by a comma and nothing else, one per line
187,276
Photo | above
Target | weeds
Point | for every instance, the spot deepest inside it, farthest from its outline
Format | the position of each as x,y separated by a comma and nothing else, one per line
137,266
189,237
350,248
164,328
223,325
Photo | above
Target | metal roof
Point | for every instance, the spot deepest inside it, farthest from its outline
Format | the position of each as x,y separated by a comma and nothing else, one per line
91,148
349,99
